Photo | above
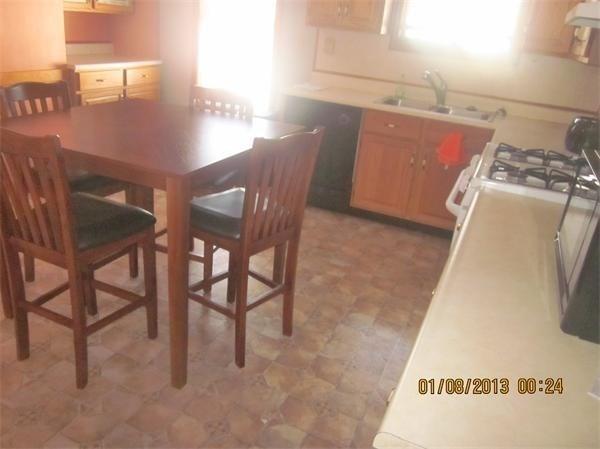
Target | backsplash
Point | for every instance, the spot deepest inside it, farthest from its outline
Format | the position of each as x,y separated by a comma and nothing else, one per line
525,77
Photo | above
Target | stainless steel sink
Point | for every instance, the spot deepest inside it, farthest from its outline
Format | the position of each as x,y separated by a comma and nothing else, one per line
469,113
405,103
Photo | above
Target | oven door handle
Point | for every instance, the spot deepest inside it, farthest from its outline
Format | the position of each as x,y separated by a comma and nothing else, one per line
461,185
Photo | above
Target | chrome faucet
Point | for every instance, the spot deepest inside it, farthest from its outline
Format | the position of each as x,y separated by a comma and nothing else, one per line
440,88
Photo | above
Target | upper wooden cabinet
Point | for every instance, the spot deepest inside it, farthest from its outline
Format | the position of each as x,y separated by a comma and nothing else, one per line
545,30
101,6
358,15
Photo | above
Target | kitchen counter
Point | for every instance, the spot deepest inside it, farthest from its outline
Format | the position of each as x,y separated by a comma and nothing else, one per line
518,131
495,315
96,62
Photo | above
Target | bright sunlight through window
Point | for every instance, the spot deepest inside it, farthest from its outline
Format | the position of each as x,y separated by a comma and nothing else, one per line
474,26
235,48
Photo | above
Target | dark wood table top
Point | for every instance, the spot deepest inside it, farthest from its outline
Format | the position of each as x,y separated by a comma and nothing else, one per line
166,140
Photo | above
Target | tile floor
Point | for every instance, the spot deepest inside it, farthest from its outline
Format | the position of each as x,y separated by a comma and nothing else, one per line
363,290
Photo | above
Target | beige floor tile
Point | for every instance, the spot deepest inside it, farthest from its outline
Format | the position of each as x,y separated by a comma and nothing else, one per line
282,436
153,418
186,432
358,308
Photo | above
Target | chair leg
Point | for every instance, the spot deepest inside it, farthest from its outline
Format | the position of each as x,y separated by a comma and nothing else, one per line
290,284
133,197
134,269
89,292
278,263
5,295
231,280
79,327
208,264
17,289
149,256
29,268
240,311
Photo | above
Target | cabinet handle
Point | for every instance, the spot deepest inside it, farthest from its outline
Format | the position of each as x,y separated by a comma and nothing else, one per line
412,160
339,9
346,8
423,164
390,125
100,80
144,75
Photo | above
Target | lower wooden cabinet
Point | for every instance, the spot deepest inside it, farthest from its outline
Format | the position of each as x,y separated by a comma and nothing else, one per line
105,86
397,171
383,174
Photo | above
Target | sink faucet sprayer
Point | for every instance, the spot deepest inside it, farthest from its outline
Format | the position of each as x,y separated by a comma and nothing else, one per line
440,88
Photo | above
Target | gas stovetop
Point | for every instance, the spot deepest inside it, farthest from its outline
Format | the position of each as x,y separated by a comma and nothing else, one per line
537,156
532,171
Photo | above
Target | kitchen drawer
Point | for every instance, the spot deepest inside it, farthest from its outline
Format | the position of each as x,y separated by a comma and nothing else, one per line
393,125
107,97
100,80
143,75
147,93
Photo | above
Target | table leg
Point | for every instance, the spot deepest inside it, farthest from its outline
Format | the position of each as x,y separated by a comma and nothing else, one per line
178,218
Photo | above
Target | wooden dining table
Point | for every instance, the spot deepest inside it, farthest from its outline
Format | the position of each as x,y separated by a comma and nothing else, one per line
156,146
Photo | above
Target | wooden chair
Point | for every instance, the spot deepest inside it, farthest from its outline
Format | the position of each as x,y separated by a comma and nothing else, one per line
40,217
30,98
266,213
218,102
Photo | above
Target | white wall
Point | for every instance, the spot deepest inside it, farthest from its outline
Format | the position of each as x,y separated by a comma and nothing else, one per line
178,19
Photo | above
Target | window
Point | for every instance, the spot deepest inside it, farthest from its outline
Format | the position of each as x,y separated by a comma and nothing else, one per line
468,26
235,48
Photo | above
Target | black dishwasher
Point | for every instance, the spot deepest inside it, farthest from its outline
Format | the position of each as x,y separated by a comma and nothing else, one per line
331,185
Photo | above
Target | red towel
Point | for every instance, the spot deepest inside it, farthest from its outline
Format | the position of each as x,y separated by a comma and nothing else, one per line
451,150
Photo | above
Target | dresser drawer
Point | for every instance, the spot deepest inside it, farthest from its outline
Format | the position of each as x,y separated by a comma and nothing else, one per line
100,80
393,125
143,75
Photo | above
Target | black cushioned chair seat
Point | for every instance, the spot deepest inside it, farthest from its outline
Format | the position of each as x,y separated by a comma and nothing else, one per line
83,181
100,221
219,213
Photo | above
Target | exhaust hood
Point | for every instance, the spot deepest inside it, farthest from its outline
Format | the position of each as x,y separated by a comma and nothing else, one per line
584,15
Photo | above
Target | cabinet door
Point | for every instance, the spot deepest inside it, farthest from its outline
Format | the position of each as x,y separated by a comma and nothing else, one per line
363,15
113,6
546,31
383,175
77,5
323,13
433,181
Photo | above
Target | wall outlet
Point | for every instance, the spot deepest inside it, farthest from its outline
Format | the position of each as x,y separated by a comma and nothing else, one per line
329,45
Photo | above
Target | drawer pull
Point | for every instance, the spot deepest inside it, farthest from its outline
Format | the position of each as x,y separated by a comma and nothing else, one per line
412,160
99,80
144,75
390,125
423,164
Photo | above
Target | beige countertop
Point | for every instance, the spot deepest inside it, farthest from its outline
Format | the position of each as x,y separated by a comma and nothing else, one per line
93,62
518,131
495,315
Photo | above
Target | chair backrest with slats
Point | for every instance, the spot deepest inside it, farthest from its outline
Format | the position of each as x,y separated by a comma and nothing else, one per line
36,98
277,183
220,102
34,192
